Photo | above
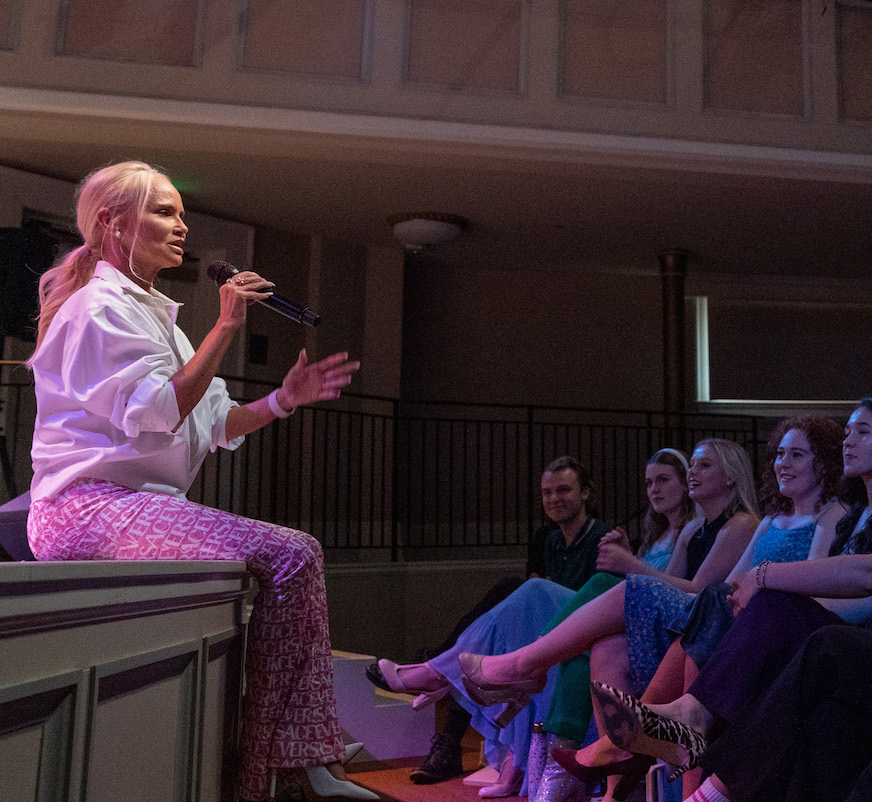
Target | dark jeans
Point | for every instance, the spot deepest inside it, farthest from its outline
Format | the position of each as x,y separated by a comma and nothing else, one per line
755,650
810,736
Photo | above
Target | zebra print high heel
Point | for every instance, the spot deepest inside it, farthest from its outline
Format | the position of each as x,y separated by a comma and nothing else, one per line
633,726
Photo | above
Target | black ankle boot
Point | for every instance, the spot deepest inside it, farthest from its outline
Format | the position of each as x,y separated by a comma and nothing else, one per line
443,762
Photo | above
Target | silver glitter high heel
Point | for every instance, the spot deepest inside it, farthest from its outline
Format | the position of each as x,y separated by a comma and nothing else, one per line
556,783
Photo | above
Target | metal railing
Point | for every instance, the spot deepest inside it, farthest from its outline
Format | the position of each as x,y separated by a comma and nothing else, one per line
399,479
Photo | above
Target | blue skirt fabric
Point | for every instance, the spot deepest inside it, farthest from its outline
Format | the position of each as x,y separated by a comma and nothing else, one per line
515,622
651,609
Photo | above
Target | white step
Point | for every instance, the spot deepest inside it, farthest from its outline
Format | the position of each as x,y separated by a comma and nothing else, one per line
385,722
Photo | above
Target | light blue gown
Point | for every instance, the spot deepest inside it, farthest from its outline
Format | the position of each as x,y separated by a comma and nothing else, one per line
516,621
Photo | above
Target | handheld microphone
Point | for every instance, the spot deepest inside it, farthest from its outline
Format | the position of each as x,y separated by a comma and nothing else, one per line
219,272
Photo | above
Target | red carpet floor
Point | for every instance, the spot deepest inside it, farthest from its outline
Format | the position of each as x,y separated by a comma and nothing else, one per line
391,780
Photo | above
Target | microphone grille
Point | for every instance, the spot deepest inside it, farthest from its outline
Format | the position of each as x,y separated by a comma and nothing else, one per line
220,271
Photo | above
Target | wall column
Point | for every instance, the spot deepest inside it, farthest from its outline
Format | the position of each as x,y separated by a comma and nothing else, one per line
673,270
383,322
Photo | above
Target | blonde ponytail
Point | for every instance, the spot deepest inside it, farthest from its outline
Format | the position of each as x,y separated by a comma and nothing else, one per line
122,188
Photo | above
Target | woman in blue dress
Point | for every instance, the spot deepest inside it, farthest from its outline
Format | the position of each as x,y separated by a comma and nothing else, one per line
777,608
521,618
721,484
800,495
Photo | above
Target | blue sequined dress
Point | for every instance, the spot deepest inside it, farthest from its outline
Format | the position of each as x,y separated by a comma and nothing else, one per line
656,611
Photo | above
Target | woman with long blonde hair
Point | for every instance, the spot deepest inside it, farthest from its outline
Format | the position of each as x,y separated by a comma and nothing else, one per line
127,410
643,606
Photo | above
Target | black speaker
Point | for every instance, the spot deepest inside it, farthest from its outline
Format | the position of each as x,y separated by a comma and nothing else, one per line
25,254
13,536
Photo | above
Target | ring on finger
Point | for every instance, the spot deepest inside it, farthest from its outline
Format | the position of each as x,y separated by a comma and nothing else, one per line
239,281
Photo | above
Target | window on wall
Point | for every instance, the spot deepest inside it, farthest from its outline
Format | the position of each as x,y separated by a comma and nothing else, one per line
144,31
754,56
615,49
466,44
781,351
855,60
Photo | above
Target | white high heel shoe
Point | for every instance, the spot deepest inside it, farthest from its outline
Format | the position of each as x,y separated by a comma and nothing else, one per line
321,784
351,751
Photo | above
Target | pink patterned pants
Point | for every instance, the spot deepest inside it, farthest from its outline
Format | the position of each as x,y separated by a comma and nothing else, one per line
289,717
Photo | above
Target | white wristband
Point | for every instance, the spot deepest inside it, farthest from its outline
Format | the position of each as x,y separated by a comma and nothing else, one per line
276,408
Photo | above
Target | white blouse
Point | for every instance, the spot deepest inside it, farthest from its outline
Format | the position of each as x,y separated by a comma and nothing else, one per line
106,407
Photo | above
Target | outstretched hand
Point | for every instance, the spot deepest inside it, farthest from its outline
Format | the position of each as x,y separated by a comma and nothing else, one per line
307,383
743,591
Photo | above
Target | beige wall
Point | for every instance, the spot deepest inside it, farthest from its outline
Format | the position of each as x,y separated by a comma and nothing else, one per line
563,335
783,72
357,291
282,257
394,609
586,333
578,334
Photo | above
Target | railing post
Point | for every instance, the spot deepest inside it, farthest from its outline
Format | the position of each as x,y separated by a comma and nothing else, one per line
649,439
673,269
755,434
531,500
395,474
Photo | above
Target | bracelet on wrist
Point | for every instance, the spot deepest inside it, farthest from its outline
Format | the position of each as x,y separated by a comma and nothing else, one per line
761,574
276,408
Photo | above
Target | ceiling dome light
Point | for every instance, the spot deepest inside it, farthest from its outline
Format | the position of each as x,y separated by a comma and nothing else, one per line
418,231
